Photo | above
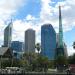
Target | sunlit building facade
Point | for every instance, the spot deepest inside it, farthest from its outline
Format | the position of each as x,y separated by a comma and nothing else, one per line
8,35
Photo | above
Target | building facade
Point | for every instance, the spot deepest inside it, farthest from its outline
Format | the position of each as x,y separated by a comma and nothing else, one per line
8,35
29,40
17,46
48,41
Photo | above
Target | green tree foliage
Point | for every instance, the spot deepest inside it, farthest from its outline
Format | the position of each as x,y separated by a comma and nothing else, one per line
10,63
5,63
61,62
36,62
71,59
38,46
74,45
43,62
15,62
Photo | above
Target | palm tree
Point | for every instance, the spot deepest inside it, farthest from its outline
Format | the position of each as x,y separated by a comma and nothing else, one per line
38,46
74,45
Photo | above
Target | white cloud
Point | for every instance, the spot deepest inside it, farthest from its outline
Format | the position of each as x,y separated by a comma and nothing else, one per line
71,51
8,7
48,14
20,26
30,17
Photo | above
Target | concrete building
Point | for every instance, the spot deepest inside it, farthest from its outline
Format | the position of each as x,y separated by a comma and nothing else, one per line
29,40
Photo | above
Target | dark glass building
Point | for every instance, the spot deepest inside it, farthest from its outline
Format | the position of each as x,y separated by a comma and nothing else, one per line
17,46
48,41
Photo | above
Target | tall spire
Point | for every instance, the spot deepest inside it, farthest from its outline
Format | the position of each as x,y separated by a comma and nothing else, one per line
60,29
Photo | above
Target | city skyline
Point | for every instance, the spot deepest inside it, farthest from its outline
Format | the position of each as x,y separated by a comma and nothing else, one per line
34,13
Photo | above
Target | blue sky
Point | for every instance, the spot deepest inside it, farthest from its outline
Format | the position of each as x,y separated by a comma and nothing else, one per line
32,7
34,13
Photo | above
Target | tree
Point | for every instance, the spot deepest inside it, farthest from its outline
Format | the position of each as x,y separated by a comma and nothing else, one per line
31,61
38,46
61,61
71,59
43,62
6,63
74,45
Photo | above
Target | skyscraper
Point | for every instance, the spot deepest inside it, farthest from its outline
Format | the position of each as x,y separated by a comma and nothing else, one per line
48,41
8,35
29,41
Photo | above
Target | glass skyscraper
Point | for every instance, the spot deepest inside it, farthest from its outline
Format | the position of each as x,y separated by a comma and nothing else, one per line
29,40
48,41
8,35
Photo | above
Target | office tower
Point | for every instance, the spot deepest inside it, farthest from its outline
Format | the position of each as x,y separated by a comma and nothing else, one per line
8,35
29,41
48,41
17,46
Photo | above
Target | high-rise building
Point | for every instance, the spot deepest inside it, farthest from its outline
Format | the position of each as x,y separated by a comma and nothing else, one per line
17,46
48,41
29,40
8,35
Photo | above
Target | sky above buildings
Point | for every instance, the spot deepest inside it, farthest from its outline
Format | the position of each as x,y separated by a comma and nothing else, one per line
34,13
